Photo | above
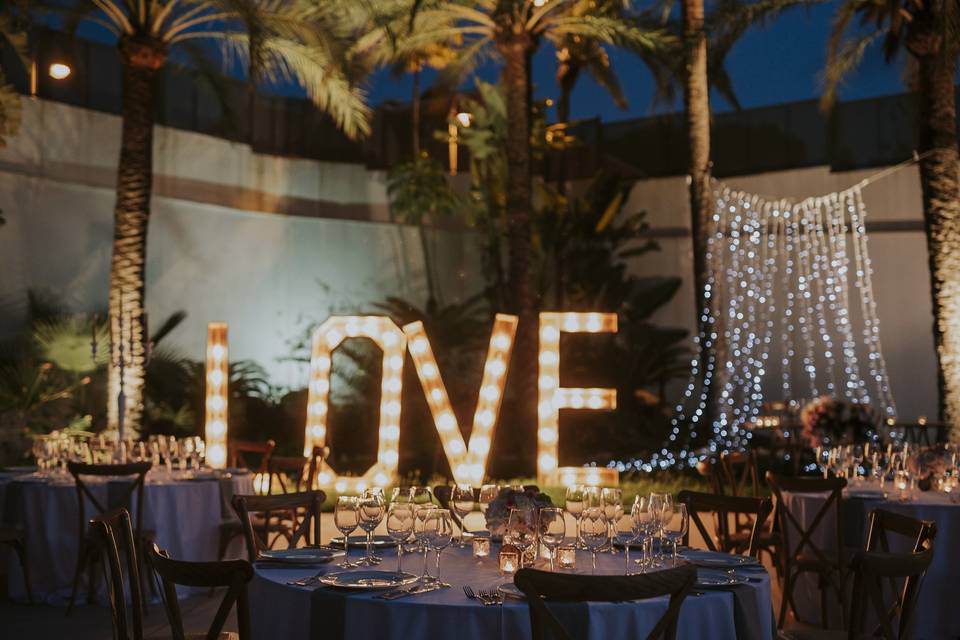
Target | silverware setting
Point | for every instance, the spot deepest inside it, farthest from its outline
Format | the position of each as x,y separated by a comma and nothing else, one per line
485,596
307,581
411,591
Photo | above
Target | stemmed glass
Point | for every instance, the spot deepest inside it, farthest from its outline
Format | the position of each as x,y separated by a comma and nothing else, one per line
675,531
421,513
627,530
522,529
346,517
594,530
400,516
421,496
645,520
438,533
612,500
662,506
462,501
488,493
401,494
372,510
574,505
552,529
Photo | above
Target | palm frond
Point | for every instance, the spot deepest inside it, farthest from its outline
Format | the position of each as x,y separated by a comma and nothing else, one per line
841,63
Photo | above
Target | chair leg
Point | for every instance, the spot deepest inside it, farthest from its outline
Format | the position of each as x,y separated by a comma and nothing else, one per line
785,597
81,561
21,550
823,583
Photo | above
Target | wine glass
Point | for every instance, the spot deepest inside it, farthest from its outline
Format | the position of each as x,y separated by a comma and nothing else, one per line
401,494
421,496
676,528
626,529
612,500
438,533
574,505
346,518
522,529
594,530
645,520
372,510
421,512
552,529
488,493
462,501
400,516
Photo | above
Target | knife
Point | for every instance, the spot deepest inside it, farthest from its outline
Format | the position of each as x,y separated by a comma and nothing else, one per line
412,591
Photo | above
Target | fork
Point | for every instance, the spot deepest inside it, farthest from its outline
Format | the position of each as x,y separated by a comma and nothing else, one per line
468,591
490,597
308,580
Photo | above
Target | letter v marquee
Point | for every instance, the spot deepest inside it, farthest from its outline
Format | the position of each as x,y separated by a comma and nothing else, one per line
467,462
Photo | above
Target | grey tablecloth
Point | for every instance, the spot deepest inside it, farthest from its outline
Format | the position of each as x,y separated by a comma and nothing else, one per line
936,616
283,611
185,516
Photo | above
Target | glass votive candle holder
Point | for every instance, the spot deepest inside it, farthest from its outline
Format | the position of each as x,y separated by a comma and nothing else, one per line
509,560
567,557
481,547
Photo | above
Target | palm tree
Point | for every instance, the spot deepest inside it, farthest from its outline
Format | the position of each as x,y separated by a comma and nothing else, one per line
298,41
929,32
512,30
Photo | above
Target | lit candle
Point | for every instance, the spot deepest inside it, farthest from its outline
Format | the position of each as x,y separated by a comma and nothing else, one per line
509,559
567,557
481,547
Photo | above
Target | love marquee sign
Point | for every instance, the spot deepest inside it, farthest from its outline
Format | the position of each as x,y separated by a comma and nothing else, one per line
468,460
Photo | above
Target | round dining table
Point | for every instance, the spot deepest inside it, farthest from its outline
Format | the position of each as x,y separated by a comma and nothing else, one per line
281,609
183,510
934,617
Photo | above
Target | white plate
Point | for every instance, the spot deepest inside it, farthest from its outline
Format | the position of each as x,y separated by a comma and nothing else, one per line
306,555
367,580
510,590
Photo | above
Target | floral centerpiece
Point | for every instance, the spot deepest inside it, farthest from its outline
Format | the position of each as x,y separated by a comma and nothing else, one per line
829,421
498,510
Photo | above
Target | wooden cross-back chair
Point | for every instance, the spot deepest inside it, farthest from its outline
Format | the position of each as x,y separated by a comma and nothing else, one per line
289,474
542,587
740,473
114,533
800,553
87,552
232,574
242,452
725,509
256,510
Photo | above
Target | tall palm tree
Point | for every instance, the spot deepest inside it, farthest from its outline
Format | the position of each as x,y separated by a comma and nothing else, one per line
300,41
512,30
929,32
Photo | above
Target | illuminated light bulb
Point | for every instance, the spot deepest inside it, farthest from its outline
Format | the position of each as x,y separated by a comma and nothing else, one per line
396,363
318,432
446,422
484,418
550,334
218,352
381,479
455,445
547,434
547,462
393,385
216,403
323,478
388,338
547,382
576,401
334,338
475,472
340,486
571,323
59,71
429,371
391,432
497,367
593,324
318,408
546,408
216,456
419,346
593,478
361,486
320,385
436,395
480,444
217,428
548,357
321,363
490,393
501,341
389,458
352,329
393,408
216,377
462,470
595,402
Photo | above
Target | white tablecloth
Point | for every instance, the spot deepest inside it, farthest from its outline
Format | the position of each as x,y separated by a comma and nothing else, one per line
283,611
185,516
936,616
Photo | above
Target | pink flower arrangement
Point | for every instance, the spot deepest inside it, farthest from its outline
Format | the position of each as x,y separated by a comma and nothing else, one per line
830,421
499,509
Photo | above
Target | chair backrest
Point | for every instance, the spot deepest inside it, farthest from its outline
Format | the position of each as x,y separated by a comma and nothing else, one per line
233,574
883,523
758,509
138,470
791,524
872,614
114,531
543,586
740,473
288,473
306,504
317,456
242,452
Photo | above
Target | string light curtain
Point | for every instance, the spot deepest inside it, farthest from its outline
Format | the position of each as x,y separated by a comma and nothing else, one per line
790,292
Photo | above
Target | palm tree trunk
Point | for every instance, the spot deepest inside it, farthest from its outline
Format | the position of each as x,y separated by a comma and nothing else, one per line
567,82
697,113
141,61
415,115
937,115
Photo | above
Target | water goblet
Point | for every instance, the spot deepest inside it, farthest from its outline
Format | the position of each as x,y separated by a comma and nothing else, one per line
574,505
677,528
462,501
372,511
438,533
420,535
627,531
522,529
400,516
594,530
612,500
552,529
645,520
346,518
488,493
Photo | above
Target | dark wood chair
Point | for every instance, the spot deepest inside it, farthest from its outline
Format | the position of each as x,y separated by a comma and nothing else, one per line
728,512
256,514
883,523
801,554
232,574
14,537
113,532
87,552
738,474
874,614
247,454
288,474
542,587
